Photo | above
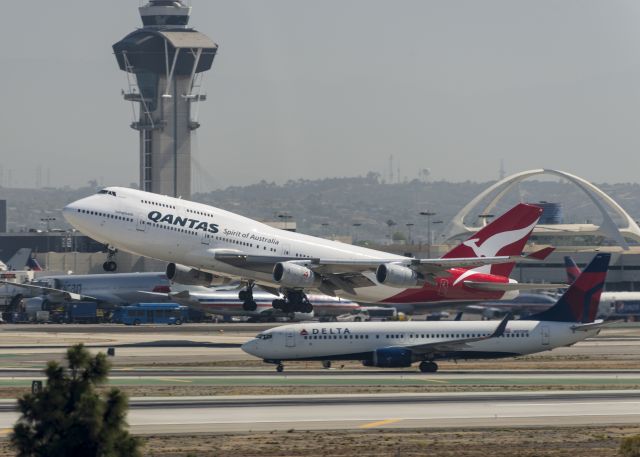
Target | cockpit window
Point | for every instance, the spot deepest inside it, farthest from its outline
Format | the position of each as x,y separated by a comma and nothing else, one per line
108,192
264,336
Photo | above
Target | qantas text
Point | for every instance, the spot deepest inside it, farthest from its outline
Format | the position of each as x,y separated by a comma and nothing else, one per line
156,216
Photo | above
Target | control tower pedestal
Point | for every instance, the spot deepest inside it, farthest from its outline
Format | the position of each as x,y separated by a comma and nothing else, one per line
164,62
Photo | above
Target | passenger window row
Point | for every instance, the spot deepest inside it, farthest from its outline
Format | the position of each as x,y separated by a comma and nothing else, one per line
149,202
107,215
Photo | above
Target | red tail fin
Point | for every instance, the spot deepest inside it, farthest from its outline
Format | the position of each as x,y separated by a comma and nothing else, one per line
507,235
573,271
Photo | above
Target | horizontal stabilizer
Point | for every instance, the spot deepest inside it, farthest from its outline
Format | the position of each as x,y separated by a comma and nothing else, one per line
590,326
508,286
540,254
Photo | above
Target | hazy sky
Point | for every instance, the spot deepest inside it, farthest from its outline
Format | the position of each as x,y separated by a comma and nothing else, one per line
332,88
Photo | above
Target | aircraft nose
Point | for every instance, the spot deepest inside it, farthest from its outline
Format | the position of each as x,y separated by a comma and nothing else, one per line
251,347
69,212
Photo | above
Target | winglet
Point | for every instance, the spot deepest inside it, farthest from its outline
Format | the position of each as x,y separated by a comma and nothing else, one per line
502,326
540,254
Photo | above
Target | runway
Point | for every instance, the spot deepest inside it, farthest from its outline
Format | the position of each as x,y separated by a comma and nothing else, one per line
339,412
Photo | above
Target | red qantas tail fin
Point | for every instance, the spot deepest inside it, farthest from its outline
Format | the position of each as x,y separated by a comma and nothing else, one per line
507,235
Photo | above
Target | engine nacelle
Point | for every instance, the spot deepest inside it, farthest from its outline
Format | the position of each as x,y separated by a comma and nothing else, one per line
295,276
394,275
192,277
391,358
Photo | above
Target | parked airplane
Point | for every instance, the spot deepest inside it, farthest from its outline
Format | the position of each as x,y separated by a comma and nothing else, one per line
113,288
523,305
399,344
21,260
226,303
19,269
613,305
217,245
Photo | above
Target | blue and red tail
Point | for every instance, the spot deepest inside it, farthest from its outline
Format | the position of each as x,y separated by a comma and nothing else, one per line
33,264
580,302
573,271
505,236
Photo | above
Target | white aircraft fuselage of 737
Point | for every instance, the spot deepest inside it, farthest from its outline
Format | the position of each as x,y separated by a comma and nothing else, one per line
207,246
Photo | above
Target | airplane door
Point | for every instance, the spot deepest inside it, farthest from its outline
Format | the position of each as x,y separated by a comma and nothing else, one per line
290,339
286,250
141,226
205,239
546,335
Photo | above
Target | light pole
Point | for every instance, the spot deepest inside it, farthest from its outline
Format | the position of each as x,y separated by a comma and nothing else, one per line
428,215
409,225
325,229
48,220
355,231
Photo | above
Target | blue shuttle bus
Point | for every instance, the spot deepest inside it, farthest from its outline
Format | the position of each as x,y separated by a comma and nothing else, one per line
151,313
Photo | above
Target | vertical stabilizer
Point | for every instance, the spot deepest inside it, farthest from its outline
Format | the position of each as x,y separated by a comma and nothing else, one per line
580,302
505,236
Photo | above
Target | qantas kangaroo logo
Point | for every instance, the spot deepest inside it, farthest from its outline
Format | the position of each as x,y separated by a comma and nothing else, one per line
491,246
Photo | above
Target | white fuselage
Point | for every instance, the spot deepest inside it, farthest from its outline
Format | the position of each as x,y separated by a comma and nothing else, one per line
355,341
145,224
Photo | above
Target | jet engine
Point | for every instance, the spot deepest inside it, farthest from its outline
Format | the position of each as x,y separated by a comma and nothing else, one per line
192,277
295,276
394,275
390,358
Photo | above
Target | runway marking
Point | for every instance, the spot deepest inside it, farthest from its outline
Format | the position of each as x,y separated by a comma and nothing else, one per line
380,423
174,380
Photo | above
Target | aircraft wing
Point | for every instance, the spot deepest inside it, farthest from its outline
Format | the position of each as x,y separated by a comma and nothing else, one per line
348,275
63,294
458,344
507,286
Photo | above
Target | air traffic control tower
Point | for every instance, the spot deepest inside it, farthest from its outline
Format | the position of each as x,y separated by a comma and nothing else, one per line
164,61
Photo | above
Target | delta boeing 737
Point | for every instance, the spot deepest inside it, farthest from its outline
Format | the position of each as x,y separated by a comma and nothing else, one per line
400,344
207,246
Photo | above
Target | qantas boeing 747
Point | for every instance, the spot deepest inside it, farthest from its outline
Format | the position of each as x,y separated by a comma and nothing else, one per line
207,246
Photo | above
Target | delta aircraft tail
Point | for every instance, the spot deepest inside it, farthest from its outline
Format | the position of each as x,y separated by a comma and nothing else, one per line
505,236
580,302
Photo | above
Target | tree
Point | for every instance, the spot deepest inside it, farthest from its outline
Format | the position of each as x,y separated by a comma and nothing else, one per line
69,418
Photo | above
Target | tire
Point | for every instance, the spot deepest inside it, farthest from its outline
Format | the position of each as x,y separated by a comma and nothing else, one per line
250,305
280,368
178,322
428,367
136,322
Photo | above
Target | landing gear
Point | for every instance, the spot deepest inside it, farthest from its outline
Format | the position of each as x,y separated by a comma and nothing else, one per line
110,265
428,366
246,296
326,364
280,368
295,302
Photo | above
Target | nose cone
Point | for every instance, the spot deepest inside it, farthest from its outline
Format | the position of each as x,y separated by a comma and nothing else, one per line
251,347
70,213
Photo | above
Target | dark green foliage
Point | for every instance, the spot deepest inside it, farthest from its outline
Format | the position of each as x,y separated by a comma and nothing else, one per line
68,418
630,446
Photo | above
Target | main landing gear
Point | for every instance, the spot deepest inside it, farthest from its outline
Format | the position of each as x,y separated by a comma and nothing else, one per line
428,366
110,265
295,302
246,296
